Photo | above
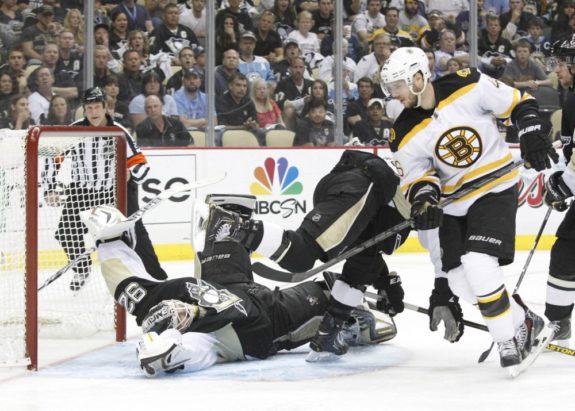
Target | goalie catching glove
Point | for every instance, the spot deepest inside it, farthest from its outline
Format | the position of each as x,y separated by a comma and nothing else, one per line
444,306
536,147
106,223
556,191
425,212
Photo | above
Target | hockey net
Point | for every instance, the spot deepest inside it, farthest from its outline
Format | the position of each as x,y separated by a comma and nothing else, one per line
41,172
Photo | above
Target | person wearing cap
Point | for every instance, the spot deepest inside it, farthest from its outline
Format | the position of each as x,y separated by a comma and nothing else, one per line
158,130
268,41
281,69
252,66
195,19
366,23
102,34
241,16
191,102
171,36
187,59
37,35
376,128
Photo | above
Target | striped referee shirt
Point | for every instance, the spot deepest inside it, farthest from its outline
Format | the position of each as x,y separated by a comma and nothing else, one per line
93,161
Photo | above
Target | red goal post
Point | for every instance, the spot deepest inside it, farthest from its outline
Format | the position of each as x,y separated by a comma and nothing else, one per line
33,162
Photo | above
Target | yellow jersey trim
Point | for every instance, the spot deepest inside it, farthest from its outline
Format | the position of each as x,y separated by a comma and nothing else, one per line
413,132
477,172
508,177
454,96
516,98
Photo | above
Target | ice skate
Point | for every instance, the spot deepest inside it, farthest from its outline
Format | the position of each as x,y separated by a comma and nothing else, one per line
328,343
527,333
561,331
162,353
509,353
365,327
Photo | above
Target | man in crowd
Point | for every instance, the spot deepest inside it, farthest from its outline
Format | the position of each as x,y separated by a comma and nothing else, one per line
159,130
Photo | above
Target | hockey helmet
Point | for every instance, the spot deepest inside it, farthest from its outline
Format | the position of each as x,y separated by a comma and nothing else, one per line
403,64
94,95
562,51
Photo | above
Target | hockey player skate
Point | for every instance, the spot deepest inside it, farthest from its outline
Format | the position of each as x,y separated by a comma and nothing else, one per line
509,354
162,353
528,331
329,342
561,331
365,327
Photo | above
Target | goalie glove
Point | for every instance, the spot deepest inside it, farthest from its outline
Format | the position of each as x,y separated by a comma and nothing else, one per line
536,147
391,292
556,191
106,223
425,212
444,306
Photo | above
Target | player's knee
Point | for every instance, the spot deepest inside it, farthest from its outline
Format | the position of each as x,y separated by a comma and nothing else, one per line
482,272
459,285
302,253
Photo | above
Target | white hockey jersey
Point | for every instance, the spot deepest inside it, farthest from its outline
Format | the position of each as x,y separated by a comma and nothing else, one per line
458,142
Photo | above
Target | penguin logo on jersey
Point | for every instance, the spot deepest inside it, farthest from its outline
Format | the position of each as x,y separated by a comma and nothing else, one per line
459,147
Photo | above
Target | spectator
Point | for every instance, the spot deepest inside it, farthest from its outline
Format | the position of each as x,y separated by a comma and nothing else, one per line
400,37
191,102
523,73
308,5
70,60
281,69
200,65
138,17
320,91
152,85
195,19
326,66
15,68
9,13
223,73
315,129
376,128
131,78
40,100
235,109
243,18
74,23
540,46
63,85
453,65
411,21
291,91
253,67
102,59
268,114
322,19
366,23
348,87
117,109
447,52
437,24
560,27
370,65
102,34
357,109
8,88
159,130
308,41
515,21
268,42
495,51
497,7
171,36
354,47
431,59
59,114
227,37
36,36
18,114
187,59
463,18
119,33
449,8
285,18
156,10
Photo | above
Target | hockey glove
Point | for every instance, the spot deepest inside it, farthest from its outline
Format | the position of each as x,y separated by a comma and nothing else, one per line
425,212
444,306
556,191
536,147
391,292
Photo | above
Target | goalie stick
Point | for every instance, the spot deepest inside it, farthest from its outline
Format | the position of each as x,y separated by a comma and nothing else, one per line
137,215
284,276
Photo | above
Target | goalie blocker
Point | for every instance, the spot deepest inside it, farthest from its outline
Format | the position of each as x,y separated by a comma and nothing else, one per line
224,316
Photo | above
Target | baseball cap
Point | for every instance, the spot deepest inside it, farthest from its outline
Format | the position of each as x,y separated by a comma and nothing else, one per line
199,50
44,10
248,35
434,13
191,72
290,41
101,26
373,101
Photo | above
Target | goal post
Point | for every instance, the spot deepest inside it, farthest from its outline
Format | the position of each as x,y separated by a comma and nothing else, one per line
47,175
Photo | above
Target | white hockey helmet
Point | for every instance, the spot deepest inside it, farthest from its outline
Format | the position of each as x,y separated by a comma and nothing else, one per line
403,64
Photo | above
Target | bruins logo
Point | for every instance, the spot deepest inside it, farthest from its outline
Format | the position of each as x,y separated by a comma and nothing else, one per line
391,135
459,147
463,72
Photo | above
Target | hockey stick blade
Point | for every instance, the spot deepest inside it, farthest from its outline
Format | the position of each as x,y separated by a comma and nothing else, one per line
137,215
561,349
285,276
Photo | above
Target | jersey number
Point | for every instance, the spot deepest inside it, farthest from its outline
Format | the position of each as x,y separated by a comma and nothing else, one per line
131,295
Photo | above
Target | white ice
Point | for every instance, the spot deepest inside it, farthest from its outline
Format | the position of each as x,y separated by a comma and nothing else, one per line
417,370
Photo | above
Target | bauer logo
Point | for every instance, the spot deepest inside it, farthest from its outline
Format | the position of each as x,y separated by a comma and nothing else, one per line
277,178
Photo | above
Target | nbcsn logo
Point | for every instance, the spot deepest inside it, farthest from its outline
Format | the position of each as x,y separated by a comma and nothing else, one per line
277,177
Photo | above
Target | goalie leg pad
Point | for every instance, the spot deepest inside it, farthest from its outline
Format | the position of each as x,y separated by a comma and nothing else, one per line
367,327
107,223
244,205
165,352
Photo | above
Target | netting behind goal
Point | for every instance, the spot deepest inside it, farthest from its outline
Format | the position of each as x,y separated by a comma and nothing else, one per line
48,175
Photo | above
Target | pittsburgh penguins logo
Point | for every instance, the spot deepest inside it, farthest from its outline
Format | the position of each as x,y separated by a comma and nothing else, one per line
459,147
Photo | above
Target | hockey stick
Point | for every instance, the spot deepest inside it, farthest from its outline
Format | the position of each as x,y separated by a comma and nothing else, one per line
283,276
153,203
486,353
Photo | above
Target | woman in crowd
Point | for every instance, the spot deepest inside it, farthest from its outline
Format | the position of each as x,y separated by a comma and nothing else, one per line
118,33
74,23
285,18
227,36
116,108
18,114
268,112
152,84
58,113
319,91
8,88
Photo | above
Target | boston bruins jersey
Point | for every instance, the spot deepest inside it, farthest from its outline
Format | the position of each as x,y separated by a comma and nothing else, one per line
458,142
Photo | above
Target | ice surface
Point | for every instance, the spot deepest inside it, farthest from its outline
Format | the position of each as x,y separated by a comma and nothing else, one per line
417,370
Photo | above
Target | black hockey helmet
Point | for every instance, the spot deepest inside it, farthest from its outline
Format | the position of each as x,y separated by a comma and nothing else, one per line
94,95
564,49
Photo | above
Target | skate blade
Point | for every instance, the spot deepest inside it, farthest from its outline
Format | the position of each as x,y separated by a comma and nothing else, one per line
323,356
540,343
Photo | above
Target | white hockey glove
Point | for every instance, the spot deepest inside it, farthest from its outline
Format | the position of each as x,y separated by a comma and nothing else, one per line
106,223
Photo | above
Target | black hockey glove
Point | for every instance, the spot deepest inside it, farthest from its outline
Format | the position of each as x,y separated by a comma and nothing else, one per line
536,147
391,292
444,306
556,191
425,212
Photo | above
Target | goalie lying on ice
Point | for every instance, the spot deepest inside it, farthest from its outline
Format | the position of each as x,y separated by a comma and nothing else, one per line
191,323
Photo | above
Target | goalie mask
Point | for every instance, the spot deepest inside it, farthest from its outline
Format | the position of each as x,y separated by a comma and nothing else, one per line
400,69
